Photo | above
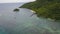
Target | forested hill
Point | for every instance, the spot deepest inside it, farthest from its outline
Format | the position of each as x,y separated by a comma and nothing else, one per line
45,8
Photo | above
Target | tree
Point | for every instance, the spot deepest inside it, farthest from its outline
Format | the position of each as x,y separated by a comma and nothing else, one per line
45,8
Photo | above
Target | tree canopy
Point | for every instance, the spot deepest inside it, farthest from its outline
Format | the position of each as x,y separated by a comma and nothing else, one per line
45,8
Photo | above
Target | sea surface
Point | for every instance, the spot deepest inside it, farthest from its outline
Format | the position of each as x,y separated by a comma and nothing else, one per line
22,22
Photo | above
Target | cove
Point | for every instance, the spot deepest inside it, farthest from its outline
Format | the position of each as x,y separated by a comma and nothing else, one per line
23,23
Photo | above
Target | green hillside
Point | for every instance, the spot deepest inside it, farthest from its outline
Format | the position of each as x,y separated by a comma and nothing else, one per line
45,8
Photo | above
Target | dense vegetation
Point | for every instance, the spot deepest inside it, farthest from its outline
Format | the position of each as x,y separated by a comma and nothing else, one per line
16,10
45,8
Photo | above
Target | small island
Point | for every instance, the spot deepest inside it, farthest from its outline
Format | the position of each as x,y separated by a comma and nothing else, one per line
16,10
45,8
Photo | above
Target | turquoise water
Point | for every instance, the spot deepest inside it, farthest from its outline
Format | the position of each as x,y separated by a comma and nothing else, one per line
23,23
3,30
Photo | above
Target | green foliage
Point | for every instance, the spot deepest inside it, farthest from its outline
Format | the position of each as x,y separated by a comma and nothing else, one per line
45,8
16,10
